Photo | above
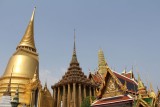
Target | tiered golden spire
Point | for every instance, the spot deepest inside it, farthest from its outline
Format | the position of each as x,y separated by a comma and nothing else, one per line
74,56
101,59
102,65
28,38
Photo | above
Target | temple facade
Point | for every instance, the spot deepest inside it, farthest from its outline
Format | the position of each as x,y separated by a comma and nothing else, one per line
73,87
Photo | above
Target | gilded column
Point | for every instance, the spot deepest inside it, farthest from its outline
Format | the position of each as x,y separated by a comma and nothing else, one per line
39,97
80,95
64,96
54,98
74,94
90,94
59,102
69,93
84,91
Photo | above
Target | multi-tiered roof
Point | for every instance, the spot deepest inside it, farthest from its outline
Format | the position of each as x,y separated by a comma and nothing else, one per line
74,73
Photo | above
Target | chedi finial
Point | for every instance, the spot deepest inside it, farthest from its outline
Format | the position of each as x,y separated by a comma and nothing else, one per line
28,38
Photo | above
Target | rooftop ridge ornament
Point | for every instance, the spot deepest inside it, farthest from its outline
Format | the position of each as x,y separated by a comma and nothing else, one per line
28,38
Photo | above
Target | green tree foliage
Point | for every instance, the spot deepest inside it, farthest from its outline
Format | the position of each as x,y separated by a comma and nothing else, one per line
86,101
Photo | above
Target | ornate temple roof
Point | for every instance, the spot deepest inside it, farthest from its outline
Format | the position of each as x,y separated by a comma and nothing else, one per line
97,78
74,73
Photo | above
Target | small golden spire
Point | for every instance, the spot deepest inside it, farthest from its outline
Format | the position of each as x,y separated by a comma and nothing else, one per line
74,56
152,93
124,71
140,83
101,59
45,86
28,38
141,89
125,85
8,91
151,87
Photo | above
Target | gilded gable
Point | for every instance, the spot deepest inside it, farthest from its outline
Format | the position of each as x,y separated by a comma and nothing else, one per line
111,88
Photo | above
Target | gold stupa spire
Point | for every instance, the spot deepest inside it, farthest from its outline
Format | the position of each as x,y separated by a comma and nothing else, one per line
74,56
101,59
28,38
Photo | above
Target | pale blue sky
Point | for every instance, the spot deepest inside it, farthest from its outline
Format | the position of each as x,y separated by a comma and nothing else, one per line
127,31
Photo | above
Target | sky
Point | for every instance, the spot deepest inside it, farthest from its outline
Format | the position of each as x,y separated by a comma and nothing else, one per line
127,31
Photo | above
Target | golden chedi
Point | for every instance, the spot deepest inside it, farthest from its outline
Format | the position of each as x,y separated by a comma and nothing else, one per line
24,67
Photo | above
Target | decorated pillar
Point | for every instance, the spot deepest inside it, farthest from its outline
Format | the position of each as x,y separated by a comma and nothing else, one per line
59,101
80,95
74,94
54,97
69,93
64,96
84,91
90,94
90,91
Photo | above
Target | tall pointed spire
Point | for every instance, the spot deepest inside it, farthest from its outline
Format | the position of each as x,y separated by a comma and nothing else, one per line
28,38
74,56
101,59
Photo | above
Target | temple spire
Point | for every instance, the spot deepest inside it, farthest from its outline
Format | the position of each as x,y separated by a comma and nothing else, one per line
28,38
74,56
102,65
74,50
101,59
